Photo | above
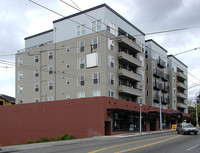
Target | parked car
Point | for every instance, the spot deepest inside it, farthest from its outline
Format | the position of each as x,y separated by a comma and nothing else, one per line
186,128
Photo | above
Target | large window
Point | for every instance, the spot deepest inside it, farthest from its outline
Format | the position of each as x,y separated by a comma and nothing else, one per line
111,94
81,80
81,63
111,61
81,94
96,25
96,93
96,78
50,55
95,43
111,79
50,85
127,121
80,30
80,46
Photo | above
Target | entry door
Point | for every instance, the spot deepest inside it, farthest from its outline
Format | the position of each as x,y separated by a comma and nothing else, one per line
107,128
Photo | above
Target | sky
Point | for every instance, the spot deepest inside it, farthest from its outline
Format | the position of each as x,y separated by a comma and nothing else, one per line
22,18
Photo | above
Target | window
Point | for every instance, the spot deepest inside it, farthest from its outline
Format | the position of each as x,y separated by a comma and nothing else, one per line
147,80
112,28
110,44
67,81
67,48
20,61
95,43
36,87
81,63
174,89
111,94
50,69
96,25
50,98
81,80
96,78
147,67
36,58
36,73
111,61
81,94
50,85
80,30
20,89
20,75
147,93
96,93
67,65
50,55
111,79
80,46
36,100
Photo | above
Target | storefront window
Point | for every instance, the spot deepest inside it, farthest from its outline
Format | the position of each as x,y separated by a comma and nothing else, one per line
127,121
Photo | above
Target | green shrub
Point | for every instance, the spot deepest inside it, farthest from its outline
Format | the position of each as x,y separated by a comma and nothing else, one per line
44,139
63,137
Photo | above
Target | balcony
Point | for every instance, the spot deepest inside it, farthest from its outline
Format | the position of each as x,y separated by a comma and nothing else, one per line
156,98
165,89
165,76
181,95
181,105
157,73
128,43
161,63
129,59
158,85
181,76
129,74
164,100
181,85
129,90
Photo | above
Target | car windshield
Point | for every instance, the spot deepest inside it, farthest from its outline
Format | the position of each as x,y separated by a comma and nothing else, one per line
188,126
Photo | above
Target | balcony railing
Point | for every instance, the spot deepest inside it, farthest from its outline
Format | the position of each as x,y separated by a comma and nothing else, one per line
161,63
129,59
158,85
165,88
164,100
181,85
130,90
181,76
130,75
126,42
157,73
181,95
156,98
165,76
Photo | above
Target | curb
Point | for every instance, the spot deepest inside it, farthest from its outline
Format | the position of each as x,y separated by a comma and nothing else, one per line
24,147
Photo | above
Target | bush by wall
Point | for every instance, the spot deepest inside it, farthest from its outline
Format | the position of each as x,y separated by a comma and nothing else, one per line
44,139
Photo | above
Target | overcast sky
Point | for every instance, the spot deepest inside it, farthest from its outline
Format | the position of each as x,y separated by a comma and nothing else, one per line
21,18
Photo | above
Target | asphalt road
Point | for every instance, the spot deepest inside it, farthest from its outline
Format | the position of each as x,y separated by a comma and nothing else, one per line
159,143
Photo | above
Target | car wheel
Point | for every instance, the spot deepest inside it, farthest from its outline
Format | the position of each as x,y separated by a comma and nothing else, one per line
195,133
182,133
178,132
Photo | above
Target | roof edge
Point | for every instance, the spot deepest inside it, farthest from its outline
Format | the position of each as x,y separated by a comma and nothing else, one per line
156,44
177,60
38,34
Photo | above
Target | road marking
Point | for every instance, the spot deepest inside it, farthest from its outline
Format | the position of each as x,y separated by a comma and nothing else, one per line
95,151
147,145
193,147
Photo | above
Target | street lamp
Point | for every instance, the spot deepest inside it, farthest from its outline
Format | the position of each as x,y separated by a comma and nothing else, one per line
140,117
160,107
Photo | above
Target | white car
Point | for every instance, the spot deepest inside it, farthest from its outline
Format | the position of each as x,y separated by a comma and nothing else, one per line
186,128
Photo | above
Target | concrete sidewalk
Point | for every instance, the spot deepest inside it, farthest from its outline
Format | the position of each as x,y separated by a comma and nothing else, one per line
14,148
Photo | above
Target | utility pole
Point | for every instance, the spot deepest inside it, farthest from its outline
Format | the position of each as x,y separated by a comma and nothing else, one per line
140,117
160,106
198,99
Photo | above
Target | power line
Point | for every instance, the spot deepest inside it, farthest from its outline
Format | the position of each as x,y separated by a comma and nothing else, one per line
187,51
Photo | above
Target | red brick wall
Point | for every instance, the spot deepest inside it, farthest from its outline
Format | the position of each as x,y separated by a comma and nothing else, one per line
24,122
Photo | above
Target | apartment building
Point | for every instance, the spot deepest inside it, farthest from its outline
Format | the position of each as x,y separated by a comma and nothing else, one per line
178,84
157,78
87,54
166,79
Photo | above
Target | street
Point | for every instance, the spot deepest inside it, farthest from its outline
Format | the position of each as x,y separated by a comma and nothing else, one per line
155,143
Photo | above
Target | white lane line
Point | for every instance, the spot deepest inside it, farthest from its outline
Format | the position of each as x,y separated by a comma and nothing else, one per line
193,147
